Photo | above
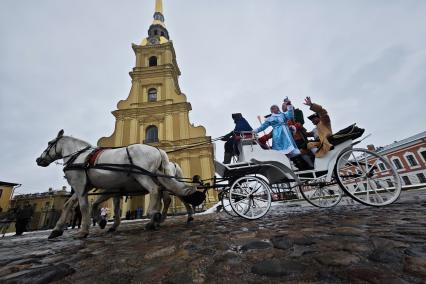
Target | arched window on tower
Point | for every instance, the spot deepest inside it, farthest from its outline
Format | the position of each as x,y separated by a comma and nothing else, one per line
153,61
152,95
151,134
162,34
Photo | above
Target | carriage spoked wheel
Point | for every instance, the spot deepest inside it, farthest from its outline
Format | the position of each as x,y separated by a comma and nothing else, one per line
320,193
226,206
358,173
250,197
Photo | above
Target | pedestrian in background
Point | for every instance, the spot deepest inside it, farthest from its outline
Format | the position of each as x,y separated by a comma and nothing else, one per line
23,218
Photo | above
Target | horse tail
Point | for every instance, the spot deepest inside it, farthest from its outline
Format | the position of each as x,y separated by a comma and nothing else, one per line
165,163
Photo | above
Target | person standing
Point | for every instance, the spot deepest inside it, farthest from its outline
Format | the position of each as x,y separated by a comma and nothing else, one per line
104,217
23,218
296,126
104,213
282,138
18,221
231,149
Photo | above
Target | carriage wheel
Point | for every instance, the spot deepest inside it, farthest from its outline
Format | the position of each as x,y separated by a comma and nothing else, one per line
250,197
321,194
224,199
359,175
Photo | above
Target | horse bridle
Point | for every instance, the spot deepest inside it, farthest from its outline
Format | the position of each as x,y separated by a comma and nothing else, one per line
50,146
55,142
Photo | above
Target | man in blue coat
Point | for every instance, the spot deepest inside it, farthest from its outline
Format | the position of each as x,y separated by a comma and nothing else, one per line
231,148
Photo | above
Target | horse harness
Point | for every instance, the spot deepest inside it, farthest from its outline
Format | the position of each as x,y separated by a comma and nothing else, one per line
90,163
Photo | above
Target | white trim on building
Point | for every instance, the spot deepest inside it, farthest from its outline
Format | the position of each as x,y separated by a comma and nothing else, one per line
416,163
419,151
399,169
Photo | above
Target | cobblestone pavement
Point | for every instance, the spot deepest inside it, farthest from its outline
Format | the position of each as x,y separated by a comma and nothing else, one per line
347,244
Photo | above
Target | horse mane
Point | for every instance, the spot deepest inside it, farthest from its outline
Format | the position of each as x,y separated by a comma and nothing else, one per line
79,140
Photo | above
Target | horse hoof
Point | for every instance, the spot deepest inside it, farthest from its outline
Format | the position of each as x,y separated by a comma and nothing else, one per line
111,230
55,234
102,224
190,219
152,226
157,217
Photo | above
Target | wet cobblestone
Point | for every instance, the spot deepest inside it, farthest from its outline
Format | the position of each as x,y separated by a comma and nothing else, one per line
346,244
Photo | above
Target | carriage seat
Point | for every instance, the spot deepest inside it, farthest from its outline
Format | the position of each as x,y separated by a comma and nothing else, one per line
351,132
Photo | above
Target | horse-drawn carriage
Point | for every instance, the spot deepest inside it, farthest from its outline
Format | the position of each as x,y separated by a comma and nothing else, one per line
247,185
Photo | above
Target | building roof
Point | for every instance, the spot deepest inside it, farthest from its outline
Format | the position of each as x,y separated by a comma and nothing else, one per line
42,194
405,141
8,183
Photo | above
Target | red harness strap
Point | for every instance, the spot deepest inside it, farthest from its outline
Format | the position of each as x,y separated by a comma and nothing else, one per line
91,158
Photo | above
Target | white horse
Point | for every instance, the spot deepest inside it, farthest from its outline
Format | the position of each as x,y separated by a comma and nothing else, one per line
121,179
104,195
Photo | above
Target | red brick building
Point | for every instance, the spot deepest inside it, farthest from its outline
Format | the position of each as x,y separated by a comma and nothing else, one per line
408,156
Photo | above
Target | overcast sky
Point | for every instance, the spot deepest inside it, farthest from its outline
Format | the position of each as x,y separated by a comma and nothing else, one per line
65,64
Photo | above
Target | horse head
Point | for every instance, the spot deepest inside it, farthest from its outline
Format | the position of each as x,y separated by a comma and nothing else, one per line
52,152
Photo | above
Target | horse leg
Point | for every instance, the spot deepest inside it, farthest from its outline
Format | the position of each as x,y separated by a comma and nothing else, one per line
189,211
166,204
85,212
154,201
117,218
59,227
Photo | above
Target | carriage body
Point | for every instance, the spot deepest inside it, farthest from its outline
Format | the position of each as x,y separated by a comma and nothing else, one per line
323,186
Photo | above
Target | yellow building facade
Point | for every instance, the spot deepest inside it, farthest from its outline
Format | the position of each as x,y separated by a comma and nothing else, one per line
156,112
47,206
6,193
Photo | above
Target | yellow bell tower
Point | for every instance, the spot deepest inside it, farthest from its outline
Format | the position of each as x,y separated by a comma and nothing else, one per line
156,111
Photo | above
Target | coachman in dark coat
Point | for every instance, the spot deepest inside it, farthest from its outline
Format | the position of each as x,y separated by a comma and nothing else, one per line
231,148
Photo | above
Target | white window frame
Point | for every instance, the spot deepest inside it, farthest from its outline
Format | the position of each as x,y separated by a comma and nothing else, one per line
384,166
422,149
408,177
397,158
418,176
156,94
406,154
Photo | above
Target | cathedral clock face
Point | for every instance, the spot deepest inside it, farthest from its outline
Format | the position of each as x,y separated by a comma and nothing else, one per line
154,40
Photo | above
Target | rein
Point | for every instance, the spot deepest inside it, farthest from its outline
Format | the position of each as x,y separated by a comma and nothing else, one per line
127,168
73,156
195,145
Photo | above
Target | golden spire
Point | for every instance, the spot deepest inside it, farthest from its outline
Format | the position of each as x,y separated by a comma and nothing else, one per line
157,32
159,6
158,15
